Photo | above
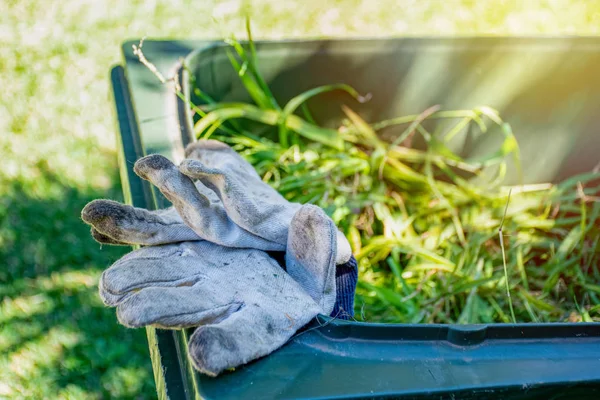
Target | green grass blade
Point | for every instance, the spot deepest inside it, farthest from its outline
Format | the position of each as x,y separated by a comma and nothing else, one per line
329,137
241,111
407,119
387,295
302,98
501,237
254,90
253,65
411,128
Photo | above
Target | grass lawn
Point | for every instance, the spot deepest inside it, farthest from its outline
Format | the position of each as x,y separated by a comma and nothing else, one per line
57,152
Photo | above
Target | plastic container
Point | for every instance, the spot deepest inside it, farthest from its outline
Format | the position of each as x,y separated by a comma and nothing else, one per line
548,89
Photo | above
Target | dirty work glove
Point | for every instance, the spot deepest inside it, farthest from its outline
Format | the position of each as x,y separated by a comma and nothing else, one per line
243,304
119,224
218,197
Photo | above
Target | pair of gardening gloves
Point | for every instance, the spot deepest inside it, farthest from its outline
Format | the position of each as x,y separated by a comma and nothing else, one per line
210,261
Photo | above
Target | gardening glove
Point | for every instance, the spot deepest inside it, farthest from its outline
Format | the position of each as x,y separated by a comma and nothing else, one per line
116,223
218,197
243,304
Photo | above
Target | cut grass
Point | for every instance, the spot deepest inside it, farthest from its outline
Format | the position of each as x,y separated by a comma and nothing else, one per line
416,222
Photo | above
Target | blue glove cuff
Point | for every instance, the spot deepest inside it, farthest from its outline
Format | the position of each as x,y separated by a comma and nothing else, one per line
346,277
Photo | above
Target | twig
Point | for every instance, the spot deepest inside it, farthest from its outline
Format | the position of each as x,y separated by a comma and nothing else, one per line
137,51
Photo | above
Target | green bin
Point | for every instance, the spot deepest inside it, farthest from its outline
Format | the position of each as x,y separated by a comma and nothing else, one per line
547,88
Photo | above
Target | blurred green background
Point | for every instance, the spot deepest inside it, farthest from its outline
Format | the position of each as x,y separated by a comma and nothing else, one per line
57,152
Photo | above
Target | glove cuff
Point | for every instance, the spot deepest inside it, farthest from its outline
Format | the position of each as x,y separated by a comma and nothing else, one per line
346,278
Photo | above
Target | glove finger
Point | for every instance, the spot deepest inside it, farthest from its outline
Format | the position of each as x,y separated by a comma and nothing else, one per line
244,336
184,264
103,239
110,299
209,220
250,203
215,154
176,307
123,224
135,274
253,197
344,251
311,255
116,294
162,250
